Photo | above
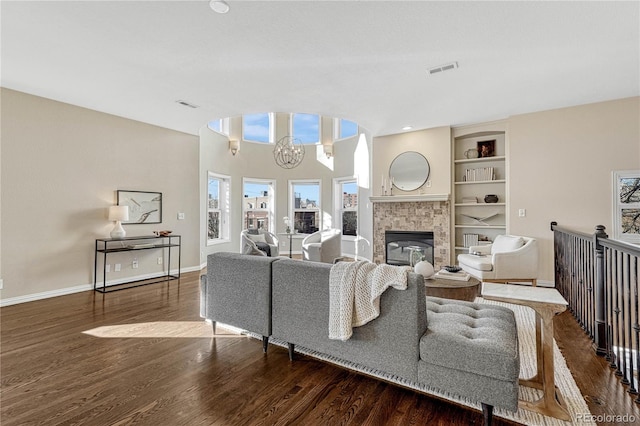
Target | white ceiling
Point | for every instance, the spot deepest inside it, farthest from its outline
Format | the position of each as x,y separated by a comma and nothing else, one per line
362,60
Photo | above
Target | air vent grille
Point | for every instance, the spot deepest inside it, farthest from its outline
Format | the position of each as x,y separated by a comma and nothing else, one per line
442,68
187,104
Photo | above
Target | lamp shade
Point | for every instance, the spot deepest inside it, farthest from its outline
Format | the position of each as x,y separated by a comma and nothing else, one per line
119,213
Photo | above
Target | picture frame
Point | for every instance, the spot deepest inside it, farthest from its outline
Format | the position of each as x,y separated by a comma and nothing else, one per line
144,206
626,206
486,148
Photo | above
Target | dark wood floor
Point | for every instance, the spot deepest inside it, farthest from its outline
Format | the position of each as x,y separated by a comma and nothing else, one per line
53,372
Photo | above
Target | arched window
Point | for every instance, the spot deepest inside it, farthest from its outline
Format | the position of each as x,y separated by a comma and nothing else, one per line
306,128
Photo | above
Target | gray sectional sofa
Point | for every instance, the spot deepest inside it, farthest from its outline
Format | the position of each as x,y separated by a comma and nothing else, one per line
458,348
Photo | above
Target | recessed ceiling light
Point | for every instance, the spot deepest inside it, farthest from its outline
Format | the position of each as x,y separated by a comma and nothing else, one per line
219,6
407,128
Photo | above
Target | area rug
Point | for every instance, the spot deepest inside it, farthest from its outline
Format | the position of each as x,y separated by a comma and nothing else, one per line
525,318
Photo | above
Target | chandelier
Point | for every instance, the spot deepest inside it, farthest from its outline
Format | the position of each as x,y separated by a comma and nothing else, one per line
288,152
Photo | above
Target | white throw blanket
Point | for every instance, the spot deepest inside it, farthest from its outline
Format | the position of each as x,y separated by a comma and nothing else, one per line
354,294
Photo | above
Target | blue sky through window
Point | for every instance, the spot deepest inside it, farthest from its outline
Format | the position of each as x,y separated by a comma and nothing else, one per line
256,127
347,128
309,192
306,128
252,189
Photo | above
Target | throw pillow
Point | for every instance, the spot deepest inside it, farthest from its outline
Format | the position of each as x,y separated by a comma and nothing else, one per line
506,243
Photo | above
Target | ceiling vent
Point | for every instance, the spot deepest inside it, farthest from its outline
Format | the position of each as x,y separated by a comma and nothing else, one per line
187,104
443,68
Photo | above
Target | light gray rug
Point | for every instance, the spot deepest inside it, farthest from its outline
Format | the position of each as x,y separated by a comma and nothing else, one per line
525,318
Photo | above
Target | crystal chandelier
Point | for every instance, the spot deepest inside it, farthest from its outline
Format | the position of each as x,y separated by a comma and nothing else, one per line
288,152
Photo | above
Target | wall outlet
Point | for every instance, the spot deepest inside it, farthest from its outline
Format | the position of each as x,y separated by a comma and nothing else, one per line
134,264
180,216
160,260
107,267
522,212
118,267
1,283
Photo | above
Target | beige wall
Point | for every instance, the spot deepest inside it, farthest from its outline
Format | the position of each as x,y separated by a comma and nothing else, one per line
434,144
61,166
560,165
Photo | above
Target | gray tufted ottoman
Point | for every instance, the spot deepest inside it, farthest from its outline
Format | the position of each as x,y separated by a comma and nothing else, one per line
471,350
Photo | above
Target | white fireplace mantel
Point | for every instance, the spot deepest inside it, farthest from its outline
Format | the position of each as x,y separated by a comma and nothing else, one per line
409,198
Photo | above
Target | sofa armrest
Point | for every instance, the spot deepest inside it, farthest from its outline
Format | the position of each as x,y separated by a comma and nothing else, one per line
520,263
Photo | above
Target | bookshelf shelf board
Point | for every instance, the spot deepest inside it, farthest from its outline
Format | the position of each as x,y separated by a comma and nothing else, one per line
481,182
480,160
479,204
480,226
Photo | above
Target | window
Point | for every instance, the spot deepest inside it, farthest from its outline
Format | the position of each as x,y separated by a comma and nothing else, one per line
304,199
218,208
257,204
345,128
346,203
306,128
257,127
220,126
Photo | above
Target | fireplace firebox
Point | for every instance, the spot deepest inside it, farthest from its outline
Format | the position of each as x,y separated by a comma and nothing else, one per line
399,246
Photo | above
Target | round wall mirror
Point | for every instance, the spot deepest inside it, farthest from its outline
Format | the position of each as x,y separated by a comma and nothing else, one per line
409,171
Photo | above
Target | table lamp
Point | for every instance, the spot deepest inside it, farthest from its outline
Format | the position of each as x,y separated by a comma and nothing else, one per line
117,214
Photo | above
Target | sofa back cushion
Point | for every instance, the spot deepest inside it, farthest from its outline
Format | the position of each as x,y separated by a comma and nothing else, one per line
506,243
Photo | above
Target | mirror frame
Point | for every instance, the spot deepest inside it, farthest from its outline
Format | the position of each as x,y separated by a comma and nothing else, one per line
416,163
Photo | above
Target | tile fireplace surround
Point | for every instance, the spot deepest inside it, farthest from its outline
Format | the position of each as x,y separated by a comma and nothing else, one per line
404,215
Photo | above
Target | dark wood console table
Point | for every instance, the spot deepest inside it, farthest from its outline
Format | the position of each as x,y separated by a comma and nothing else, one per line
105,246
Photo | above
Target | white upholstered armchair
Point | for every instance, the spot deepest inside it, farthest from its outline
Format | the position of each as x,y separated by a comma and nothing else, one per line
258,242
509,258
322,246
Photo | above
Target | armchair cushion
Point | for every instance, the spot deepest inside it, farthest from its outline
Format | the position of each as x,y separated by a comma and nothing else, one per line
257,238
481,263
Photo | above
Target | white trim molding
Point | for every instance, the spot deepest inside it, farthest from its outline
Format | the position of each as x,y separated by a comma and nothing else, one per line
409,198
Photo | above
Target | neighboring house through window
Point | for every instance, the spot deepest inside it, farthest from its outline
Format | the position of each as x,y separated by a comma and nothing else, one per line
346,204
305,207
218,202
258,204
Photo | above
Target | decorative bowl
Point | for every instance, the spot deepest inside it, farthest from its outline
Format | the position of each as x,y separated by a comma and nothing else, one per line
452,268
162,233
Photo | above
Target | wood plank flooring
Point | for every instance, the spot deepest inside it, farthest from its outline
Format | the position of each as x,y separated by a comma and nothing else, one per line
113,359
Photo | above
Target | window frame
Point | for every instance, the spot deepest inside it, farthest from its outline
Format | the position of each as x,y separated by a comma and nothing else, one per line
224,126
291,197
272,132
224,208
270,209
338,205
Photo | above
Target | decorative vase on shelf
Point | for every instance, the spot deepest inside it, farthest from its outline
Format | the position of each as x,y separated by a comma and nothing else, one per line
491,198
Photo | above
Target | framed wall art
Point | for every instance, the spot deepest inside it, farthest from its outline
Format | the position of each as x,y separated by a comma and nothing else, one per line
486,148
144,206
626,206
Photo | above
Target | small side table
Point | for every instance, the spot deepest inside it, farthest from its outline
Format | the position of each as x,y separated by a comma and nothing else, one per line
546,302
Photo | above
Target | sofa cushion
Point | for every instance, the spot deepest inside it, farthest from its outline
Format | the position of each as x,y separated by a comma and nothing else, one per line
472,337
506,243
480,263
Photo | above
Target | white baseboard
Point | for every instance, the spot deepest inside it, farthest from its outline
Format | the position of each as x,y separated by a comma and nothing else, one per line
83,287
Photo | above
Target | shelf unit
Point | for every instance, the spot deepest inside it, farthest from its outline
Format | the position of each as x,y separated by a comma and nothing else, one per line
487,220
105,246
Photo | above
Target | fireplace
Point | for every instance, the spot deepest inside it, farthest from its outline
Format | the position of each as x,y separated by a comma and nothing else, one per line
399,246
